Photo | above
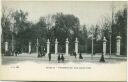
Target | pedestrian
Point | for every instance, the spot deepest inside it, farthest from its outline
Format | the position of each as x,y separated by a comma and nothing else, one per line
59,58
74,54
16,52
43,51
39,51
49,56
62,58
80,56
102,58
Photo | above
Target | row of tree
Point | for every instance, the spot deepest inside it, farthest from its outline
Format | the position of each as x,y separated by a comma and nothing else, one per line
61,26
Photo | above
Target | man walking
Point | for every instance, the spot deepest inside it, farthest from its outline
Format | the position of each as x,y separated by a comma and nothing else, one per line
59,58
49,56
62,58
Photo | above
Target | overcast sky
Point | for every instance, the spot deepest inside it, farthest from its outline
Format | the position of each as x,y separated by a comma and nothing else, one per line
88,12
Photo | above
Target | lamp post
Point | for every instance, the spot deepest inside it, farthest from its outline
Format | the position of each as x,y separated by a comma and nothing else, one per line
110,43
110,31
12,30
12,43
37,45
92,47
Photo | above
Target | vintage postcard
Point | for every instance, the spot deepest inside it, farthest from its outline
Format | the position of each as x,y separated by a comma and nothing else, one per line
63,40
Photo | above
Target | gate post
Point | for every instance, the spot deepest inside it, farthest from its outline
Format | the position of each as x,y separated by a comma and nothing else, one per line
67,42
29,47
48,46
56,46
6,48
76,46
104,46
37,45
118,45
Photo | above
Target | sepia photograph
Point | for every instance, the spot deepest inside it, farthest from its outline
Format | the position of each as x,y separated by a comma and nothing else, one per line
63,40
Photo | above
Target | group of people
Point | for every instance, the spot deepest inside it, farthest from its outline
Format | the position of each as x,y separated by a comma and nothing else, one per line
60,58
14,52
80,55
41,52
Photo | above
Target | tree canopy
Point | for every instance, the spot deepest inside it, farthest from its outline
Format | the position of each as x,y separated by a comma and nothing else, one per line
62,26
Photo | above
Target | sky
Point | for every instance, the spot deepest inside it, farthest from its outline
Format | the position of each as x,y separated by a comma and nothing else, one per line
89,13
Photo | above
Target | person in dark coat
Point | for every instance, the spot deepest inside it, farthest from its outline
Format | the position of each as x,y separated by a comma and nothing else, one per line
62,58
49,56
43,52
102,58
16,52
80,56
39,50
12,52
59,58
74,54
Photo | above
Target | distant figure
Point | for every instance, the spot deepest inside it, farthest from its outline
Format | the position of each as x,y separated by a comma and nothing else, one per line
74,54
17,52
62,58
43,54
102,58
49,56
12,53
39,51
80,56
59,58
94,53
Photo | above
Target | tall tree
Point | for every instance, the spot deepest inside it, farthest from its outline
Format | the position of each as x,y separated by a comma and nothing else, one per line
6,27
19,27
83,38
120,29
66,26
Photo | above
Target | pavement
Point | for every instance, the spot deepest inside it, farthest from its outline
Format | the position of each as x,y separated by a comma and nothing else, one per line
86,58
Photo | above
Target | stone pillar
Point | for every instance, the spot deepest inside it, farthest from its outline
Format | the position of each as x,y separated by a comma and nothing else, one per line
6,46
48,46
37,45
104,46
76,46
118,38
56,46
29,48
67,42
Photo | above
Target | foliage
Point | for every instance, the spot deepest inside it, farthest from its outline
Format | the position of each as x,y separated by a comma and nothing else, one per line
120,28
62,26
